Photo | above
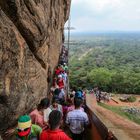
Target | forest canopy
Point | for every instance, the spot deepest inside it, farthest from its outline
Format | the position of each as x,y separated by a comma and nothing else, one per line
109,61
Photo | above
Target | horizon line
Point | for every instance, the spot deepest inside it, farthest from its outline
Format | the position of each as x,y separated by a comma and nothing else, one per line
101,31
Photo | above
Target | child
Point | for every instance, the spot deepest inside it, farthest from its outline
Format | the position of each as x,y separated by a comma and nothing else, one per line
25,130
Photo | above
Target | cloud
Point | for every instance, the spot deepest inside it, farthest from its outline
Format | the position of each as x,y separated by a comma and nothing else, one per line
98,5
106,14
103,5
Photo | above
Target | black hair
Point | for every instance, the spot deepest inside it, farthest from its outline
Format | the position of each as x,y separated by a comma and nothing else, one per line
74,88
77,102
55,118
55,100
44,103
71,95
79,90
57,91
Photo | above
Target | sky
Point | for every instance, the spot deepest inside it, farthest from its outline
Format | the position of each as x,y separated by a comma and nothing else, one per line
105,15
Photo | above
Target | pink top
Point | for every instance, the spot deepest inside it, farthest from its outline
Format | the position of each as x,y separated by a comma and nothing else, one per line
37,118
71,108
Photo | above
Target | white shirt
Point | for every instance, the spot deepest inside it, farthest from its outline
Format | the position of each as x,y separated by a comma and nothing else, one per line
46,114
59,108
77,119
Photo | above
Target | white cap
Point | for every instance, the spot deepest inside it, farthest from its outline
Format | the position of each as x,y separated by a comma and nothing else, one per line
60,76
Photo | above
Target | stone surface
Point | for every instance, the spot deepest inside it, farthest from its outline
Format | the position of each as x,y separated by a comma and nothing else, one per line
31,34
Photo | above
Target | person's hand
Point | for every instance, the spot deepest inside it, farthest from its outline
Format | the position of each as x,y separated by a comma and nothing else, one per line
46,126
9,132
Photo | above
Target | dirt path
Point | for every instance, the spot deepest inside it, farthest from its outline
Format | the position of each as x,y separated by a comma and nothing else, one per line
83,55
135,104
122,128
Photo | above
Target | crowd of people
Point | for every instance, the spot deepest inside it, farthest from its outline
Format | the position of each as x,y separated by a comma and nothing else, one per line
47,121
53,115
100,95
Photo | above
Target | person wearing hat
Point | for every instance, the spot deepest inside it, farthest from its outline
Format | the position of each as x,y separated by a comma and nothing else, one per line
26,130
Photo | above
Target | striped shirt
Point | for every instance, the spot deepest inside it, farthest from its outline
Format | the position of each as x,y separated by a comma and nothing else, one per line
77,119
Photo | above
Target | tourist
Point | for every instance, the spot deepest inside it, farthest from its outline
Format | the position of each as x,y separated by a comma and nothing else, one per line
60,82
54,133
40,115
25,130
72,106
77,120
56,106
54,85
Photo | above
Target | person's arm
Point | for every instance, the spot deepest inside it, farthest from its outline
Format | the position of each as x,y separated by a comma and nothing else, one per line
67,119
37,129
33,117
86,120
67,122
45,116
10,132
61,109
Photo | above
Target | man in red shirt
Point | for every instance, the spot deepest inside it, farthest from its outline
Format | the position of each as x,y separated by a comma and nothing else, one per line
54,133
58,70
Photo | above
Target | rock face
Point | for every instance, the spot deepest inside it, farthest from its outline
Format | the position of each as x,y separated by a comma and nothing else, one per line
31,35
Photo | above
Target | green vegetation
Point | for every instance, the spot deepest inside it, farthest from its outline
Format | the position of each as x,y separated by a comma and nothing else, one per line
132,99
133,117
129,99
110,61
